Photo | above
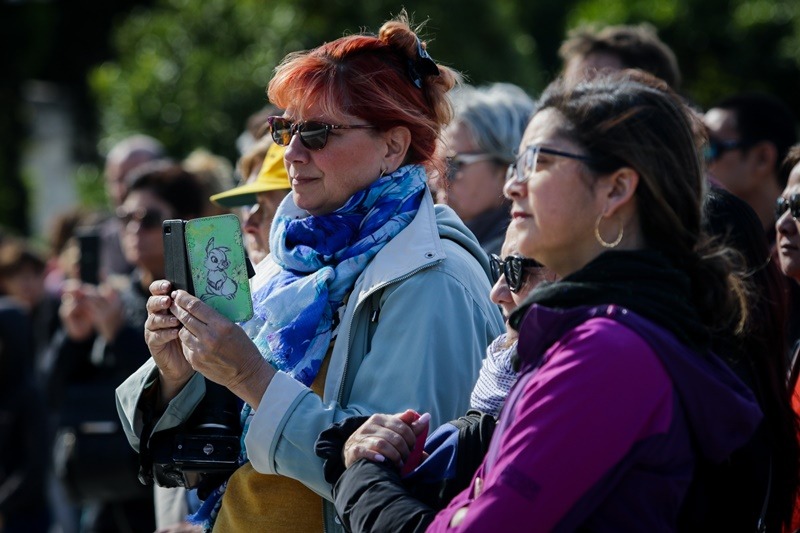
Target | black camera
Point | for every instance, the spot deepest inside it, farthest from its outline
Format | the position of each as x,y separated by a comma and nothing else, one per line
203,451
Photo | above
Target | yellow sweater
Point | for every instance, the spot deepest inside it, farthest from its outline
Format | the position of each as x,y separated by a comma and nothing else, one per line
255,502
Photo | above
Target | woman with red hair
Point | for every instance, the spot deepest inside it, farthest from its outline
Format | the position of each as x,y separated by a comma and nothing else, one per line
371,299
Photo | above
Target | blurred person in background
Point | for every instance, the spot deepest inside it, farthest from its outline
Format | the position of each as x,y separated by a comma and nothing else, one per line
589,51
787,225
101,343
768,464
22,279
479,144
266,185
24,433
749,135
123,158
214,172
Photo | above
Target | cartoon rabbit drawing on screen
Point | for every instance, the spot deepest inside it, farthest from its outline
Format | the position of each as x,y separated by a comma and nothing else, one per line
216,263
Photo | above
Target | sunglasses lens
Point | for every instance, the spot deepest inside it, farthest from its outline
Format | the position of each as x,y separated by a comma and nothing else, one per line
151,220
146,219
780,207
494,265
313,134
794,205
281,131
513,271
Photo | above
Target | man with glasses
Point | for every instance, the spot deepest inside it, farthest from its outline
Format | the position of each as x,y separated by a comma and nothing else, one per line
749,135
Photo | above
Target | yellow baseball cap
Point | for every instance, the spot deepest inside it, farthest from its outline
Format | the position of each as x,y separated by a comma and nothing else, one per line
271,177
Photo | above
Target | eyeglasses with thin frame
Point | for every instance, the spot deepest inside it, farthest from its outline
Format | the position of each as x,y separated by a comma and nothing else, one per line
514,268
313,134
146,218
523,168
791,204
457,162
716,148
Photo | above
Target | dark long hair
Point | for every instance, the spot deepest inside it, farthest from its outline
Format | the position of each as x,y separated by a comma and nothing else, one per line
759,354
632,119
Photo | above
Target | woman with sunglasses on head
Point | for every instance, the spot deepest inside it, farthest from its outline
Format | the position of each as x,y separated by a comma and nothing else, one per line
370,299
102,343
479,145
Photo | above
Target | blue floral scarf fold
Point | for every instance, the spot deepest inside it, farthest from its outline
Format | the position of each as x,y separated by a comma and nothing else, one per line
320,258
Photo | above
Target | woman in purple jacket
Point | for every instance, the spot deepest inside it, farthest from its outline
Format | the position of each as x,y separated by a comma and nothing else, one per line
620,408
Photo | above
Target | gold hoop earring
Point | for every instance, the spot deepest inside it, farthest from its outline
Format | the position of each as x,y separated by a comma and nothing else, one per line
603,243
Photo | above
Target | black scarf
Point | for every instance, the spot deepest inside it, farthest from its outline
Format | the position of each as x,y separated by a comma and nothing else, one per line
642,281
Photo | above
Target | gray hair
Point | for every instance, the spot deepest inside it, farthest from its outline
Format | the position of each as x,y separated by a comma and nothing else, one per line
496,115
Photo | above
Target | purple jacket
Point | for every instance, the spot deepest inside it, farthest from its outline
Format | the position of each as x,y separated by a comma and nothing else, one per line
598,430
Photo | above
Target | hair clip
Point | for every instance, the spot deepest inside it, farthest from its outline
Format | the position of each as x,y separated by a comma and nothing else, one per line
423,65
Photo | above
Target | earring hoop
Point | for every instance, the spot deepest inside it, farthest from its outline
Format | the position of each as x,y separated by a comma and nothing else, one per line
603,243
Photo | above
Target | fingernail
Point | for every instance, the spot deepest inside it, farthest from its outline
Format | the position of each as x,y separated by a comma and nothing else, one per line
424,419
380,458
164,285
164,300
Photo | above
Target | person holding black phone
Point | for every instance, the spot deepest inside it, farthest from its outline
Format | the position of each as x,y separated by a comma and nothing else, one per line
101,343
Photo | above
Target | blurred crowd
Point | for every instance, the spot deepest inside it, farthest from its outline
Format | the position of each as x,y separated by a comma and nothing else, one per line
72,316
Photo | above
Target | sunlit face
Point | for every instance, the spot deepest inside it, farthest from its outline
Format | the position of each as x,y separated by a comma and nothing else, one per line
554,212
788,229
258,222
323,180
732,167
142,243
476,187
590,66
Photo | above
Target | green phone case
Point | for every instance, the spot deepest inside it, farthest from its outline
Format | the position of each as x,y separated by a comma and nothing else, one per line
215,250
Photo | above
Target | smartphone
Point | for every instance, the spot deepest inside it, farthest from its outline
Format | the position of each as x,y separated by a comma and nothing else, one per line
206,257
218,265
89,262
176,263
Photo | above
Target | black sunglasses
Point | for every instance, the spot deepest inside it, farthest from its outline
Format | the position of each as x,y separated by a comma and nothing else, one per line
513,268
313,135
792,204
147,218
715,148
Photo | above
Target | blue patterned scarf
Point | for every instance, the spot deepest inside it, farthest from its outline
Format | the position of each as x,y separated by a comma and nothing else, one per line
320,258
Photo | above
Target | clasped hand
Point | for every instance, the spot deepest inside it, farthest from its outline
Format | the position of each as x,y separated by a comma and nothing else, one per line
384,437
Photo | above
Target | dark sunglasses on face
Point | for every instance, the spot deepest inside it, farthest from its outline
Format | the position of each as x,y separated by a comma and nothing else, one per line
514,268
716,148
457,162
792,204
313,135
147,218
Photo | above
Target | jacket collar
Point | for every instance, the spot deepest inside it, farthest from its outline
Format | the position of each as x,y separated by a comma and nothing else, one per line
414,248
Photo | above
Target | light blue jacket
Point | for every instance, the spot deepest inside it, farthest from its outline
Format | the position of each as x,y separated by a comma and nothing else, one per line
412,335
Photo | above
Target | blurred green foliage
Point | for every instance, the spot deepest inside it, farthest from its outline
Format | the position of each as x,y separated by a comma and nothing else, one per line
189,72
